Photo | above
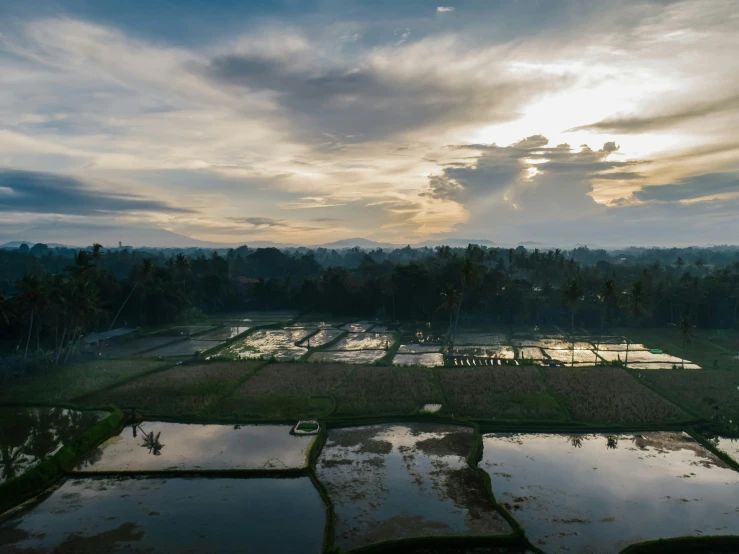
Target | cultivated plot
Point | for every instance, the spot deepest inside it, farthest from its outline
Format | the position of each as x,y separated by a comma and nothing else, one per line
479,339
500,351
224,333
174,514
30,435
267,343
181,389
504,392
398,481
414,348
358,327
530,353
567,356
609,395
183,330
186,347
596,493
183,447
136,346
728,445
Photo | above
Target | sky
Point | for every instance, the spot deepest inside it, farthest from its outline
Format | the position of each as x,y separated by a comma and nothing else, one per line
606,123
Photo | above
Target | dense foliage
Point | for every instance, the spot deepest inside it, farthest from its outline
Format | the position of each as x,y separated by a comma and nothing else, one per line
55,295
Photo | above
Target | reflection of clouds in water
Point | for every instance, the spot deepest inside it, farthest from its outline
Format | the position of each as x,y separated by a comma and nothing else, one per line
192,446
649,485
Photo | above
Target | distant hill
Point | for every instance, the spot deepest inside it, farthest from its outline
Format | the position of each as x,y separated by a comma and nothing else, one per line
365,244
455,243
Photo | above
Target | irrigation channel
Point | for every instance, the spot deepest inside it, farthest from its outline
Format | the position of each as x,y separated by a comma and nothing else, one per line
430,484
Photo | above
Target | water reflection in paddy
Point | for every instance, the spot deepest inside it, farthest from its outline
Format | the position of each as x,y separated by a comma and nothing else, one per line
396,481
30,435
171,515
195,446
728,445
593,493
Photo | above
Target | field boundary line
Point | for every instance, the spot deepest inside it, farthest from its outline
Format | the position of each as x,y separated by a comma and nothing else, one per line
652,387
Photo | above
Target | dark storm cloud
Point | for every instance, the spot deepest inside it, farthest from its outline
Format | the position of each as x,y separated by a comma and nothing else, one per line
701,186
50,193
358,102
657,122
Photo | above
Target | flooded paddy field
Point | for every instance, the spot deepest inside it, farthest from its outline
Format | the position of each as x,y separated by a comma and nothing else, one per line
200,447
728,445
398,481
480,339
268,343
358,327
174,514
31,435
428,359
414,348
186,347
365,341
597,493
566,356
499,351
320,338
183,330
347,356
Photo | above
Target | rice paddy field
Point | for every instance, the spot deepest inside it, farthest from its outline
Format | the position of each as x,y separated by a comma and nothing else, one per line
398,440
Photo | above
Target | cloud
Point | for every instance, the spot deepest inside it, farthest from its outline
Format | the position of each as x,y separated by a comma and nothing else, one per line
260,221
444,9
49,193
657,122
701,186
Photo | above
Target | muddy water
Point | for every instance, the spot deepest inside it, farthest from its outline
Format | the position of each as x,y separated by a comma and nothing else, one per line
171,515
195,446
363,341
320,338
348,356
587,493
30,435
268,343
398,481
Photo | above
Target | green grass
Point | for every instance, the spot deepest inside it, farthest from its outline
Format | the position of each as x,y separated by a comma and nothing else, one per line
77,379
705,347
181,390
699,390
505,392
609,395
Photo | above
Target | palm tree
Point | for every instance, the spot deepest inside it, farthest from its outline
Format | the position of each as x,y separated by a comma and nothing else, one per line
636,300
679,263
449,302
182,266
11,459
32,296
4,310
468,276
607,292
146,269
572,292
686,331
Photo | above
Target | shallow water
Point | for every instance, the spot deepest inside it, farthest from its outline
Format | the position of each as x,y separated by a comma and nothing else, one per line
581,356
347,356
501,351
677,365
186,347
397,481
320,338
361,341
580,494
728,445
195,446
184,330
429,359
30,435
530,353
224,333
418,348
171,515
279,343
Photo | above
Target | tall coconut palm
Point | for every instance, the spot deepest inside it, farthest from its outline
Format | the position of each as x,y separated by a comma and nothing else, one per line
572,292
686,332
33,299
182,267
144,272
449,302
4,309
607,293
469,275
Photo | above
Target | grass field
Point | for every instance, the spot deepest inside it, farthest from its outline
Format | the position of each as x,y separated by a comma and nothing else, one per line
185,389
502,392
706,346
279,391
609,395
699,390
386,390
70,381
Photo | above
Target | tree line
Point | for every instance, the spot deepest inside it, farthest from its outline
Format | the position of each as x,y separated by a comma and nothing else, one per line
63,294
